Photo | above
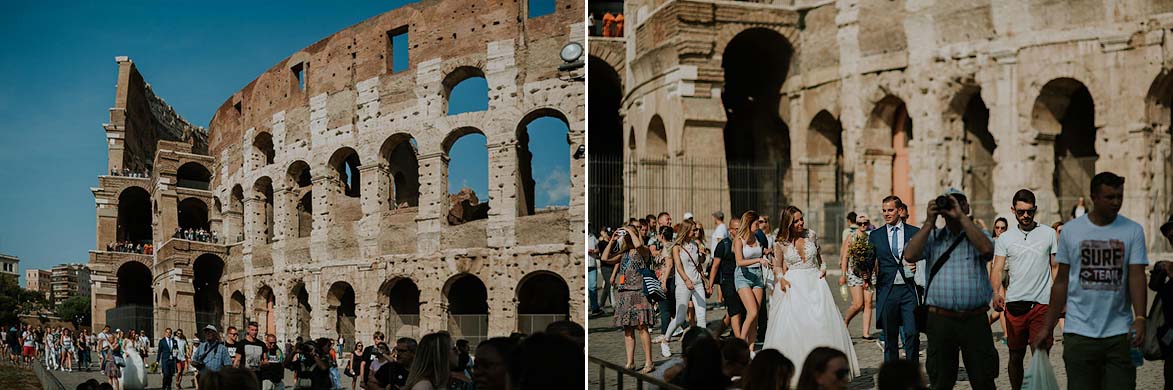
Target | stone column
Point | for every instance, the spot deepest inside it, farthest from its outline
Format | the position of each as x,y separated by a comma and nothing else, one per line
1011,138
504,194
284,224
326,189
852,117
433,204
376,184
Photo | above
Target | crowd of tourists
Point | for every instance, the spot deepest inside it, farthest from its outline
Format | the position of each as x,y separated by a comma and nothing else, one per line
58,348
126,172
130,247
196,234
950,280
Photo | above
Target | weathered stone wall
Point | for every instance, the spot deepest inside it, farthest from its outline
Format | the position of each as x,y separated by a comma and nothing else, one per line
861,60
353,104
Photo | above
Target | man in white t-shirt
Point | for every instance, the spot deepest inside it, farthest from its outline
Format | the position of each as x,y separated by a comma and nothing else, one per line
1101,285
104,345
721,232
1028,248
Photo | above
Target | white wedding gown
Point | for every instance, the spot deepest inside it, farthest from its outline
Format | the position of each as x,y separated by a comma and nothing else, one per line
805,317
134,375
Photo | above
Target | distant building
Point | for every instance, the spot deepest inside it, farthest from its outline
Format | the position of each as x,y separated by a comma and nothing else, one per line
37,280
9,265
69,280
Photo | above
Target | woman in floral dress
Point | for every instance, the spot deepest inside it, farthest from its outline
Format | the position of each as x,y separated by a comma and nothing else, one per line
632,310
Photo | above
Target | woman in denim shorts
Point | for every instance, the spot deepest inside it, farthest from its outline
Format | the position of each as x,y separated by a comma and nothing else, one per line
748,276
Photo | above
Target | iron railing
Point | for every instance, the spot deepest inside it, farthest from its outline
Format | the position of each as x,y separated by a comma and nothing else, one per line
623,374
402,325
471,327
533,323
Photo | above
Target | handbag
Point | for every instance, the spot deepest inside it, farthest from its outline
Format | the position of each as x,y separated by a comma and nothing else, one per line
652,287
1019,308
922,309
1157,334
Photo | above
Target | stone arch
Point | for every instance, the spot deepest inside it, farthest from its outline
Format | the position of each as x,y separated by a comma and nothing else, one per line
542,297
164,300
134,215
656,141
263,149
473,212
1159,112
886,143
264,305
823,169
541,119
401,153
467,301
977,154
193,175
458,76
207,271
400,303
345,163
340,302
193,214
301,311
755,63
1064,112
299,181
263,194
133,305
605,144
236,314
605,55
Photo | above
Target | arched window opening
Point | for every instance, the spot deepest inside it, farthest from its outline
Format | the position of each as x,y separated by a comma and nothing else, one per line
263,312
1066,110
134,215
468,176
193,175
466,90
193,214
978,160
300,182
605,144
346,163
263,190
890,129
133,306
302,311
235,231
544,162
340,300
542,298
468,308
209,304
400,152
263,147
756,62
236,315
403,308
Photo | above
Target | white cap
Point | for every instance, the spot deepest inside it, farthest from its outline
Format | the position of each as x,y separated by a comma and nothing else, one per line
687,216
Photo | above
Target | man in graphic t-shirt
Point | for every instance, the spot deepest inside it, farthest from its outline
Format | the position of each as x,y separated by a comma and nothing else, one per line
1101,284
252,349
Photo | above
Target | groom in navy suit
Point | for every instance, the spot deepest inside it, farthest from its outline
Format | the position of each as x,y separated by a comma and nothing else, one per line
896,294
166,358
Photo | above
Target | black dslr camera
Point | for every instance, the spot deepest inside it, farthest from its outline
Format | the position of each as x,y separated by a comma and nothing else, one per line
942,202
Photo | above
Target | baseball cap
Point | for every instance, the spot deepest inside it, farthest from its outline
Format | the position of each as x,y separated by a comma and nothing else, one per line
687,216
211,328
954,191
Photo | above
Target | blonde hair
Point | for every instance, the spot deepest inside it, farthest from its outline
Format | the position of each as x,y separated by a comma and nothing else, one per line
685,232
431,361
747,220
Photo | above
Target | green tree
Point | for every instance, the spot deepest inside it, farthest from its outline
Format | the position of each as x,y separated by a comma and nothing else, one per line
75,310
15,301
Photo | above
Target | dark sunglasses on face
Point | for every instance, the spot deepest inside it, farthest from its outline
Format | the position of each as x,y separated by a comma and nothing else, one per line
842,373
1030,211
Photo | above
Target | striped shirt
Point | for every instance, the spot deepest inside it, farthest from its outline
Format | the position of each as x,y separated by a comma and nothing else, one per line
962,283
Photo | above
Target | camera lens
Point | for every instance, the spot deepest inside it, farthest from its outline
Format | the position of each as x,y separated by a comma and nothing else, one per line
942,202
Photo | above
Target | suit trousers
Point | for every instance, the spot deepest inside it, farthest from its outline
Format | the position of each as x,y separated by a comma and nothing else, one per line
167,366
899,309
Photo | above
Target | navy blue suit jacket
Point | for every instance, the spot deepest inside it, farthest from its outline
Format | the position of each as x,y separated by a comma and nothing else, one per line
887,265
164,352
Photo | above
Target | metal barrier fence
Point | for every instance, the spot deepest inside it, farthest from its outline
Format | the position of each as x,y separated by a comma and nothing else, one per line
623,372
532,323
471,327
402,325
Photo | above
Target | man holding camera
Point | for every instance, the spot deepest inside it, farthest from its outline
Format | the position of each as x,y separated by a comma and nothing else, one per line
211,354
310,362
958,294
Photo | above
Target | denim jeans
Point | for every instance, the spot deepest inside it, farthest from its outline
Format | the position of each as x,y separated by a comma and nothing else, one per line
593,288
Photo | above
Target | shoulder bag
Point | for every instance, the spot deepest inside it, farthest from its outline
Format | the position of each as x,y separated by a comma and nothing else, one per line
922,308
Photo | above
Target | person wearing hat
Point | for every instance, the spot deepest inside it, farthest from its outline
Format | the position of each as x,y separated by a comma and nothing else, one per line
1100,285
211,354
1161,283
957,295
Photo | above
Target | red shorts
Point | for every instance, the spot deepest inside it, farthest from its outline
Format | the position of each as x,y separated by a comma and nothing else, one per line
28,351
1020,328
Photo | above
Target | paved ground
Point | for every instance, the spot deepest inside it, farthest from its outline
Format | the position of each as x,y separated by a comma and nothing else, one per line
606,342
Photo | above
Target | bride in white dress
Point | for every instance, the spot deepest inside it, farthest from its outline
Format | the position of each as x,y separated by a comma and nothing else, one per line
803,315
134,375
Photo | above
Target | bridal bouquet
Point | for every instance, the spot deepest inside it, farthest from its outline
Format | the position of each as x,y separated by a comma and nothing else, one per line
861,255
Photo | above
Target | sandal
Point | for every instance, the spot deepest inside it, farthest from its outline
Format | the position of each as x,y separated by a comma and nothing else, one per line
648,369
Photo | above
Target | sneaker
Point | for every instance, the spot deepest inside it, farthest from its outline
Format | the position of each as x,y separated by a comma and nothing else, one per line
659,339
678,332
664,350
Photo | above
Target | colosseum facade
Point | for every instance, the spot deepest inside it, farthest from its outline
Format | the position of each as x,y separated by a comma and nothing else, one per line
831,105
326,182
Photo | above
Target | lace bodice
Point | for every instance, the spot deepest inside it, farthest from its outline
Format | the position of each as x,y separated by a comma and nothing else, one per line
810,250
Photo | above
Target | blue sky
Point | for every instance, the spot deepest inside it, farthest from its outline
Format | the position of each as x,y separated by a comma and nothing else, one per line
57,83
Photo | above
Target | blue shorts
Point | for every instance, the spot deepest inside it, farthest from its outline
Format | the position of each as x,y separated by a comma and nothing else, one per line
747,277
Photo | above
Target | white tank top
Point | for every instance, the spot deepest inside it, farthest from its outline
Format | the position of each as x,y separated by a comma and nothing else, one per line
689,259
751,252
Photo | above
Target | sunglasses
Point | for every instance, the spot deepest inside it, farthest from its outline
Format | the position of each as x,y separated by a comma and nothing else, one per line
842,373
402,350
1030,211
